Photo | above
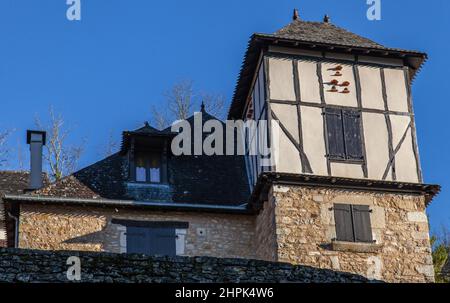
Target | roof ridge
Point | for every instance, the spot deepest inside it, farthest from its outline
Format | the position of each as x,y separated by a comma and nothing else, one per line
324,32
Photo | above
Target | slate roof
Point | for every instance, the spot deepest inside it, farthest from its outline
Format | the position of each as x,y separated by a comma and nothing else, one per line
322,32
206,180
13,182
308,35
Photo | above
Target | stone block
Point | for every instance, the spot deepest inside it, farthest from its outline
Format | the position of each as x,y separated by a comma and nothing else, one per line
417,217
427,270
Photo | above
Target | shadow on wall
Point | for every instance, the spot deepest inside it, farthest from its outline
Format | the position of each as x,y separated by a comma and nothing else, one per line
50,266
91,238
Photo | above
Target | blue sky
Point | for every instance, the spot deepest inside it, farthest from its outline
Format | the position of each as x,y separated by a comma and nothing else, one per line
105,72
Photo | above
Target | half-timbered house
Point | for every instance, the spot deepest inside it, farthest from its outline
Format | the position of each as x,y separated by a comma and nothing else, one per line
345,192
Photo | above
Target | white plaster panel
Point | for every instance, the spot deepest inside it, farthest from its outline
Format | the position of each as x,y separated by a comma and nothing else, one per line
346,170
397,97
309,81
377,145
338,98
371,87
288,116
289,157
313,139
405,161
399,125
281,79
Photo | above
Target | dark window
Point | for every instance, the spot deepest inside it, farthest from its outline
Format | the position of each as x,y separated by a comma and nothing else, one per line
148,167
151,240
344,134
352,223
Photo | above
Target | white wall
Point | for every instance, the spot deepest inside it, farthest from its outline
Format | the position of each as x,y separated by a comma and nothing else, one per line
258,105
374,105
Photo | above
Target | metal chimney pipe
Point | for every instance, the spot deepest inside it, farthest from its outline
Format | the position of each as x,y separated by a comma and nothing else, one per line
36,139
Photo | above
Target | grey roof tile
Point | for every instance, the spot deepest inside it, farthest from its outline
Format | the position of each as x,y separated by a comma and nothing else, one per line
321,32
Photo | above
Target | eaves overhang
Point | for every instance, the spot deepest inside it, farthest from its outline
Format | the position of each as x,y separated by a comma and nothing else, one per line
267,180
259,42
107,203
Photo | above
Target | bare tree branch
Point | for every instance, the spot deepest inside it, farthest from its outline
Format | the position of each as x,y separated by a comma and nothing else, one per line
4,150
60,158
20,156
160,118
214,104
111,146
180,102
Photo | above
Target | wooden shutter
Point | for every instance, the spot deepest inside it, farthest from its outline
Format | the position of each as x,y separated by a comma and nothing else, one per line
361,219
335,133
162,241
352,134
151,240
136,240
343,221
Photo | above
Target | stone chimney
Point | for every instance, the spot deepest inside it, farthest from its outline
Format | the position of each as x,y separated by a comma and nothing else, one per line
36,139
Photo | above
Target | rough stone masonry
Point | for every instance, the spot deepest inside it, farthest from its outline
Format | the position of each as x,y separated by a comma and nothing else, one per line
17,265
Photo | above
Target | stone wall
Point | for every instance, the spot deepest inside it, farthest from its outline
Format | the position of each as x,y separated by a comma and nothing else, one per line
305,229
2,225
266,246
49,227
296,226
18,265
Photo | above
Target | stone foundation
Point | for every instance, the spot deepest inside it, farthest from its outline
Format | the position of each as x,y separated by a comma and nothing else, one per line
305,230
18,265
296,226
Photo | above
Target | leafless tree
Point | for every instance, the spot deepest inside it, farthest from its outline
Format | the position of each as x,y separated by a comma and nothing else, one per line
160,118
181,101
61,158
4,150
20,156
111,146
214,104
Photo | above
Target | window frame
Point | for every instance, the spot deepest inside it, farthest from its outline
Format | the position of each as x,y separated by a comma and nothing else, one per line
144,227
353,223
147,166
346,158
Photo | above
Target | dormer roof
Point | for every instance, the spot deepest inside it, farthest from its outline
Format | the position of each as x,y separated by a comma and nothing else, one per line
145,131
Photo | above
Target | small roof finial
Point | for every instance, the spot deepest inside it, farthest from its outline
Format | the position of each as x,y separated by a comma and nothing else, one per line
146,124
295,16
202,107
326,19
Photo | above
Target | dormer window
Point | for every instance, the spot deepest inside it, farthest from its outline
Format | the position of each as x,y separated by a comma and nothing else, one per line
148,167
147,150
